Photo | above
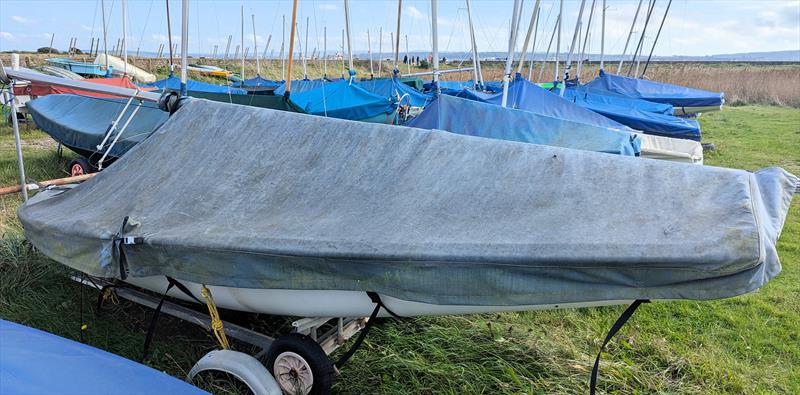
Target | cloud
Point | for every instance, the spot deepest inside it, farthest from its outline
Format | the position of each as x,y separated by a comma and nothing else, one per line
22,20
414,13
328,7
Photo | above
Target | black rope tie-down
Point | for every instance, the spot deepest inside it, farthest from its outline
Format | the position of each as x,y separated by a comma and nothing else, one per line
623,318
151,329
376,299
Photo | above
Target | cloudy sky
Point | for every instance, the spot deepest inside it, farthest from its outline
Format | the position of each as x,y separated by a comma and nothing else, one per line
693,27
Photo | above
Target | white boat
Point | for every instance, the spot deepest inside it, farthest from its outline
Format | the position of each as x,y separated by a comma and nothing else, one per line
119,69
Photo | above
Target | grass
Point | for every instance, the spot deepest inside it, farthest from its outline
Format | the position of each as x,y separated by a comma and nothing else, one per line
749,344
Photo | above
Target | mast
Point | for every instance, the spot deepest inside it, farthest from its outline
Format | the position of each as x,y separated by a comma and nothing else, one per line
124,37
105,34
630,33
575,35
603,37
408,59
343,67
304,53
369,52
586,39
325,53
476,60
380,50
283,46
533,46
351,71
291,48
242,37
435,34
512,43
528,37
558,41
397,36
184,45
656,39
639,46
255,46
266,48
547,53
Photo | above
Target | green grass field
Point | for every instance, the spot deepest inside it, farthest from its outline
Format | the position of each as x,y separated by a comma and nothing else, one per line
749,344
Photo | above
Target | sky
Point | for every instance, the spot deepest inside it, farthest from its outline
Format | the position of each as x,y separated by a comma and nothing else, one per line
692,27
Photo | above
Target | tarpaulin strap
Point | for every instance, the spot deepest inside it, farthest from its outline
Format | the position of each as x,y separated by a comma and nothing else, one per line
183,289
118,245
613,331
376,299
152,328
216,323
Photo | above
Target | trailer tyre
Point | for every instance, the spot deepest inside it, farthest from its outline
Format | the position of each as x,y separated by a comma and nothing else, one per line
80,166
299,365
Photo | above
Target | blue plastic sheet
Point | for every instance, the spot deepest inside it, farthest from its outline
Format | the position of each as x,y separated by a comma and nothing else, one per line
301,86
36,362
678,96
474,118
174,83
259,81
345,100
393,89
630,113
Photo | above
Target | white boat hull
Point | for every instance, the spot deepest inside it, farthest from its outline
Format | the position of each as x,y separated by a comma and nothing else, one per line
330,303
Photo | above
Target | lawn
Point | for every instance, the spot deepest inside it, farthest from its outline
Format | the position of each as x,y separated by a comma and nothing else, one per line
749,344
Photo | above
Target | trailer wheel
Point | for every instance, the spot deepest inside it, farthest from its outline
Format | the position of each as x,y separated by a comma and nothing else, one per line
299,365
80,166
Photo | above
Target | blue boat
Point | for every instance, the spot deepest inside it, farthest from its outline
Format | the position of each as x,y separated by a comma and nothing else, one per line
82,68
258,85
685,100
225,94
37,362
343,99
475,118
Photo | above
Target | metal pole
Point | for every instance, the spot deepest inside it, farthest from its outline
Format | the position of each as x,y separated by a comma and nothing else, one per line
349,40
105,32
380,50
125,36
528,37
291,47
586,39
325,53
169,40
17,142
304,52
266,48
533,46
630,33
228,47
512,43
242,38
53,37
184,45
255,45
408,59
656,40
603,37
476,60
369,52
558,41
572,47
639,46
397,36
343,67
283,45
435,34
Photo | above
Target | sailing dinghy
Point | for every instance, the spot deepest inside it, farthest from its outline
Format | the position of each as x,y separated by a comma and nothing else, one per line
308,214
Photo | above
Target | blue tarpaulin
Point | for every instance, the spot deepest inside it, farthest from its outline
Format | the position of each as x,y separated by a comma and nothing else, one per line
678,96
301,86
630,113
174,84
475,118
395,90
257,82
37,362
345,100
491,86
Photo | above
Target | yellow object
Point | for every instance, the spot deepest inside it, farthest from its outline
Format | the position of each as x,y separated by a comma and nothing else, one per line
84,327
220,73
216,322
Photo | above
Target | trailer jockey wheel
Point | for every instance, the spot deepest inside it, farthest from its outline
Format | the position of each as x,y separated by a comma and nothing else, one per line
80,166
299,365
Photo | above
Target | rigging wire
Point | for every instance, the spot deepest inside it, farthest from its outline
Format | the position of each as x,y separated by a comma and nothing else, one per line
141,36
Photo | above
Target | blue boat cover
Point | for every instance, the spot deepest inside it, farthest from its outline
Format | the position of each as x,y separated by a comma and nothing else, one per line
258,81
490,86
660,92
301,86
36,362
344,100
174,83
630,114
81,122
530,97
393,89
616,99
474,118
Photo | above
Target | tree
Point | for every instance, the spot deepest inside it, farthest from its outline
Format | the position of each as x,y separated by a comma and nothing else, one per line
47,50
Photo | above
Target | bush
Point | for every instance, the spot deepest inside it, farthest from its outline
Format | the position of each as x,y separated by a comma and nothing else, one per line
47,50
423,63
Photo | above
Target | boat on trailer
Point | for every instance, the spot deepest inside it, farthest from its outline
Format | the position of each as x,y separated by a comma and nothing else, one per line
82,68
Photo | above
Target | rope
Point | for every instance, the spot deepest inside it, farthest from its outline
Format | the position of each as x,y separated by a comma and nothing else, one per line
216,322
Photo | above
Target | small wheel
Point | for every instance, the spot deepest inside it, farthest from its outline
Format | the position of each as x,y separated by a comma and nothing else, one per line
299,365
80,166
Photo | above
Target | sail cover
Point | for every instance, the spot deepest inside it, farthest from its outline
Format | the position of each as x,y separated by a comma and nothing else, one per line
303,202
660,92
474,118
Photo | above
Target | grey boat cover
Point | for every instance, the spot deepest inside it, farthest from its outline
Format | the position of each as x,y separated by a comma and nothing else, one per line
281,200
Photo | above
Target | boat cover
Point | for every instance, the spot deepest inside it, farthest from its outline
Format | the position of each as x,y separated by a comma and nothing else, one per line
36,362
258,82
475,118
345,100
490,86
305,202
616,99
660,92
37,89
393,89
302,86
174,84
628,114
81,122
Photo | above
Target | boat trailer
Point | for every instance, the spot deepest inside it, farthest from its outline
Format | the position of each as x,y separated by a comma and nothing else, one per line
295,363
